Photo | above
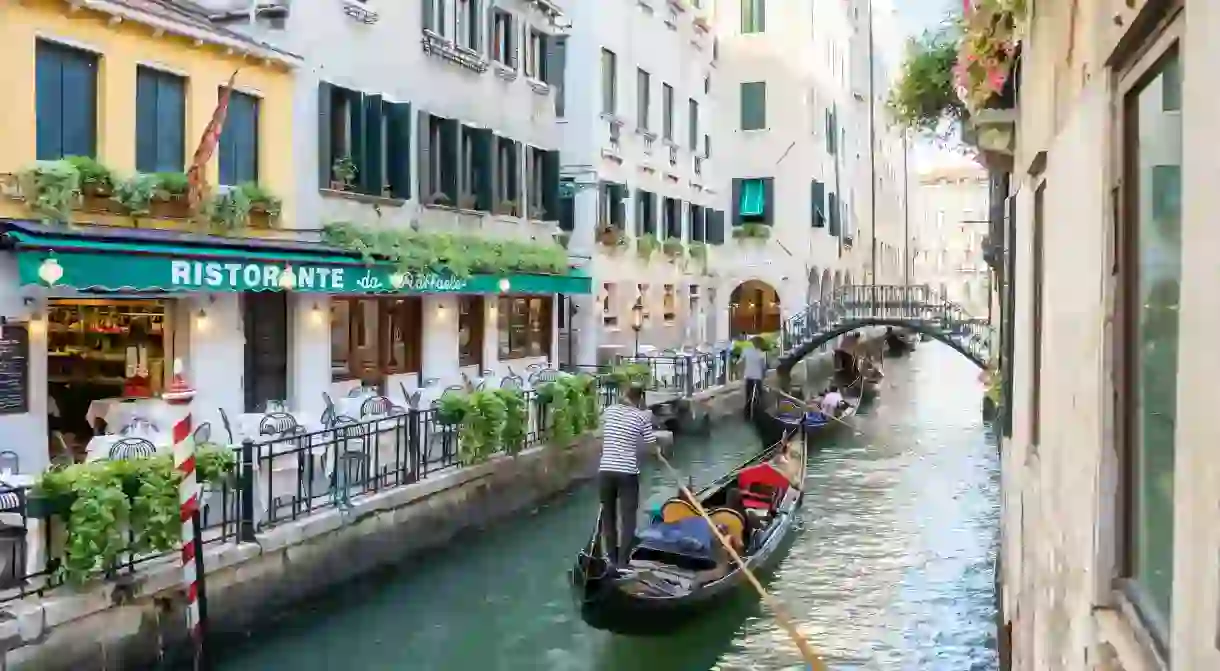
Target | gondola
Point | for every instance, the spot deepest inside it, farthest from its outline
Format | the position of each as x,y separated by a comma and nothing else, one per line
678,571
788,417
897,344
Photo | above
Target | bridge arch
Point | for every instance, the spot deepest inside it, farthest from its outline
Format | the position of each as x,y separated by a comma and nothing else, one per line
754,307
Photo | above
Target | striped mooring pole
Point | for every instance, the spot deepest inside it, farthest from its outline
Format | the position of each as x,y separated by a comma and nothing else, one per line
192,545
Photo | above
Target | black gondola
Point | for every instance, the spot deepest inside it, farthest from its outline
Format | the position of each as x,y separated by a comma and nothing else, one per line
678,571
897,344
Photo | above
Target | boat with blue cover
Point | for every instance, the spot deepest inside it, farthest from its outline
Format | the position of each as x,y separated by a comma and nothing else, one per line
677,569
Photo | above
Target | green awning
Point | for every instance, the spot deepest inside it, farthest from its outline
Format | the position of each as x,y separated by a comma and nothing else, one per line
113,265
753,198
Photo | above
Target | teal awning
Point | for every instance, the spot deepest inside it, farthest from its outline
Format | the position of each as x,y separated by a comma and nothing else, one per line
753,198
114,264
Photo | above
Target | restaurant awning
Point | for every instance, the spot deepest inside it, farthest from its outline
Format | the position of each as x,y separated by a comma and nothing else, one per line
116,259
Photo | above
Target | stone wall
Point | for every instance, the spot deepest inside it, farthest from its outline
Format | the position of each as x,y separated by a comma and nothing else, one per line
125,625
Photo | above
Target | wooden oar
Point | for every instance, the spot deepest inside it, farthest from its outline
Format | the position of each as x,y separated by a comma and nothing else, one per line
781,615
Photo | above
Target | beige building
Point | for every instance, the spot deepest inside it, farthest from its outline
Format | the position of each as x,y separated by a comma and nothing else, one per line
1111,537
948,227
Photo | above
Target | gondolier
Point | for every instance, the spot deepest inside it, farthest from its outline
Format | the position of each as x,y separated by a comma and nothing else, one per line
755,370
626,429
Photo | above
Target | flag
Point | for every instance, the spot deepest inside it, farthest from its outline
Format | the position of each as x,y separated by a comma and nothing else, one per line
196,175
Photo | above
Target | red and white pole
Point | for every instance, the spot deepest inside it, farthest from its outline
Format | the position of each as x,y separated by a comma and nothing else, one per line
188,506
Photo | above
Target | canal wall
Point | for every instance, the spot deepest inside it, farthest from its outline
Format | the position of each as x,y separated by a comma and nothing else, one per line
126,625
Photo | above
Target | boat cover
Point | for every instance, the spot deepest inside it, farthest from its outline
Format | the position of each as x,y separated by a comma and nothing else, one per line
812,418
690,538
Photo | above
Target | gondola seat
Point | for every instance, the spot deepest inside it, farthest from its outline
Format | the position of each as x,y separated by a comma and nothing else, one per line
676,509
762,486
731,523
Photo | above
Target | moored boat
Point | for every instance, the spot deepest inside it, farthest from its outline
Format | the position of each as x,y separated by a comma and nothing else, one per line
677,570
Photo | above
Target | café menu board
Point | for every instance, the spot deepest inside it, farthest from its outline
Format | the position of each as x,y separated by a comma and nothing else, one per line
14,369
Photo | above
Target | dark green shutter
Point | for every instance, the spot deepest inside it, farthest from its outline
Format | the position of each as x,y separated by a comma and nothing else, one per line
831,133
424,128
449,159
618,206
817,198
832,208
493,169
371,178
753,105
398,149
355,106
326,157
483,153
641,224
550,184
544,58
715,227
49,103
514,177
474,27
558,65
736,204
171,123
768,201
79,102
146,120
427,19
567,205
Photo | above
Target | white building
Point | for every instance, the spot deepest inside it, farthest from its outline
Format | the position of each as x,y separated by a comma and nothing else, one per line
948,228
637,129
439,116
794,118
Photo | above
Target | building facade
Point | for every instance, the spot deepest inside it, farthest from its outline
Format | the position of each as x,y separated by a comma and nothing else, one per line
1110,530
948,228
646,193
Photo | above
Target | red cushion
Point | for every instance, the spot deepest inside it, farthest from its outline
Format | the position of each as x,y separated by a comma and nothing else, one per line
764,475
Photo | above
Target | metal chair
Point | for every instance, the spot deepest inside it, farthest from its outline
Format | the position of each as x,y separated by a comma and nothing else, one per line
356,392
132,448
224,419
512,382
411,398
346,430
376,405
543,376
203,434
277,424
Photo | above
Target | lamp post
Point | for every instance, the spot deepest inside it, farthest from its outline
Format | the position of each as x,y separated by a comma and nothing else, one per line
637,323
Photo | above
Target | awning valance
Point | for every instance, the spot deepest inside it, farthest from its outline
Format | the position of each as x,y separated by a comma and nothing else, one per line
169,261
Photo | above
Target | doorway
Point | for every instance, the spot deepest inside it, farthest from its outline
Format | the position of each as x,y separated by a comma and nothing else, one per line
265,316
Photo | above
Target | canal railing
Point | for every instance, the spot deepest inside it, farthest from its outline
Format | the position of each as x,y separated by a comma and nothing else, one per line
669,376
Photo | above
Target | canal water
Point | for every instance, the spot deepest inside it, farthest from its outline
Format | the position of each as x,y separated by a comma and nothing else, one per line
891,567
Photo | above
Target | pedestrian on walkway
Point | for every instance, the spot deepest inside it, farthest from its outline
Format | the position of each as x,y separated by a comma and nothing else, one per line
755,359
626,430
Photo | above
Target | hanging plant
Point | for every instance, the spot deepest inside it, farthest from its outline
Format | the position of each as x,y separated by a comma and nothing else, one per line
572,406
461,254
752,231
96,180
452,408
229,209
925,94
645,245
51,188
987,50
262,201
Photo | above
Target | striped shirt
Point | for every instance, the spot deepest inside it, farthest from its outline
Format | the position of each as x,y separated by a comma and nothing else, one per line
624,430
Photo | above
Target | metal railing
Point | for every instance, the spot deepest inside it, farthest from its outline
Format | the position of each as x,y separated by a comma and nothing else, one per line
678,374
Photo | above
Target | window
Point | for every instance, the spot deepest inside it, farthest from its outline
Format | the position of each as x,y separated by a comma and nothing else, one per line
503,46
667,111
707,146
374,337
1150,278
524,327
160,121
697,228
753,16
753,105
440,158
609,82
609,318
559,75
669,305
239,141
507,180
693,136
467,28
535,56
434,17
753,199
371,134
645,213
65,101
643,85
536,173
470,330
611,212
673,218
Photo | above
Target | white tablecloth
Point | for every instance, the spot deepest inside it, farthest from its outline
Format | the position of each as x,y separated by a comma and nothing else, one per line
119,412
99,446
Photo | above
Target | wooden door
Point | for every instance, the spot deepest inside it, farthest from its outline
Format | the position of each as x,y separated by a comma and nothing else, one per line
265,315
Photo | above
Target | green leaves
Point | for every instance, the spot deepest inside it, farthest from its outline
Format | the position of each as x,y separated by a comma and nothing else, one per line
459,253
924,94
103,501
572,405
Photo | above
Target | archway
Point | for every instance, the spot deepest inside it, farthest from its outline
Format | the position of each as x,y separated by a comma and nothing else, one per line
827,284
814,291
838,281
753,309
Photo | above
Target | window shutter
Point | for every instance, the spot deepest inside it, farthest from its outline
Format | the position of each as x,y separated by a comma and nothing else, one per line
567,206
476,19
449,159
146,120
171,123
493,167
715,225
558,57
425,155
832,208
550,184
510,36
641,221
482,156
515,177
618,206
49,103
371,178
769,201
398,147
830,132
736,204
817,197
79,103
355,108
428,18
545,44
326,159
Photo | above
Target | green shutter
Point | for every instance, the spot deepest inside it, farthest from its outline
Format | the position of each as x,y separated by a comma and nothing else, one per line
832,208
427,19
514,176
753,105
146,120
449,159
326,157
817,200
736,202
753,203
768,188
423,129
355,115
48,91
830,132
567,205
550,184
398,148
483,153
371,178
79,102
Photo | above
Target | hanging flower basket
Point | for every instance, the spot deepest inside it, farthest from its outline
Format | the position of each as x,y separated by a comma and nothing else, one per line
987,51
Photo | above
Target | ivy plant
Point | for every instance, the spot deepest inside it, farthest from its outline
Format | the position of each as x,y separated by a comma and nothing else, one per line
458,253
516,420
136,193
624,375
51,188
95,179
925,94
229,209
572,404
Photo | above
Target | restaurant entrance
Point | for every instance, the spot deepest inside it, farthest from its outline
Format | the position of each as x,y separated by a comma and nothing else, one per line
265,315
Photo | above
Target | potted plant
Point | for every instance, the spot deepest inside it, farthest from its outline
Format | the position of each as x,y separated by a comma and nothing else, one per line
51,188
170,197
229,209
673,247
96,180
439,198
343,173
507,208
610,236
265,206
645,245
752,231
467,201
925,93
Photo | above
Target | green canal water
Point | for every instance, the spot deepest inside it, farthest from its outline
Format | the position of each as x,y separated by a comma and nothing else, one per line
891,567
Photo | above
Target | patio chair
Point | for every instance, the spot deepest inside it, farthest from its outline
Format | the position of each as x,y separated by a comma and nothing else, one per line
132,448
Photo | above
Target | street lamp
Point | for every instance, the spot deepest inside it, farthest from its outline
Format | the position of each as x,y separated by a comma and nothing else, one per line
637,322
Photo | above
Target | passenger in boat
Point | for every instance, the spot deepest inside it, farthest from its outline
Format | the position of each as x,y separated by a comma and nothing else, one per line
626,429
832,402
755,370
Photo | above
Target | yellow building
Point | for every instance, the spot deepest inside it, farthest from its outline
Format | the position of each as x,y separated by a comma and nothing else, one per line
133,84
